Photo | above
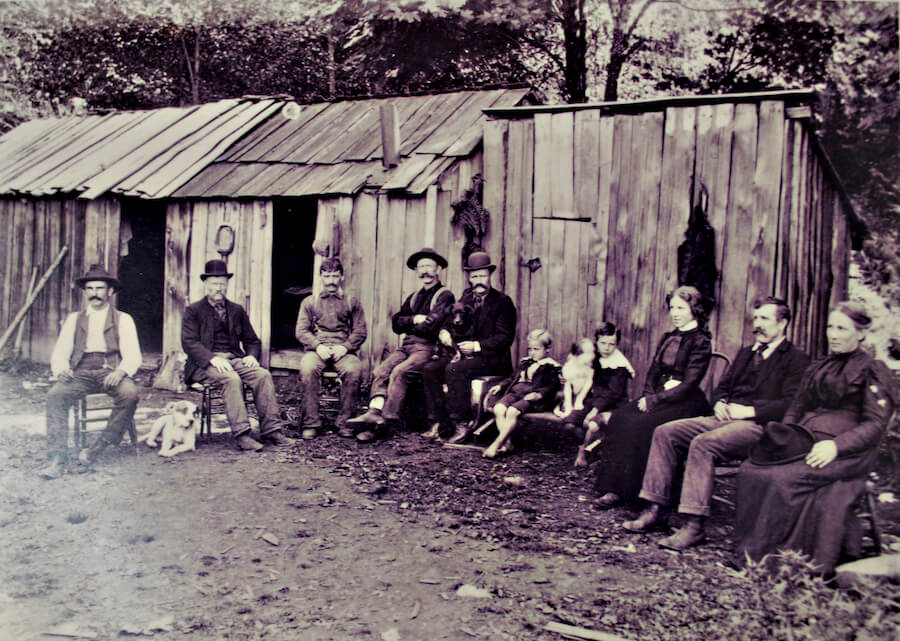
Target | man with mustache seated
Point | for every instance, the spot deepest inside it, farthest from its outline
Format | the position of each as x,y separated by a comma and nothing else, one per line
418,319
756,388
487,350
97,351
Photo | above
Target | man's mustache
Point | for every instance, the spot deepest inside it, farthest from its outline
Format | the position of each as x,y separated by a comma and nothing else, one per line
94,298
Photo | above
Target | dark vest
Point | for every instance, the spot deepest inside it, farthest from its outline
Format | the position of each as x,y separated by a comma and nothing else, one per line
221,338
110,335
744,390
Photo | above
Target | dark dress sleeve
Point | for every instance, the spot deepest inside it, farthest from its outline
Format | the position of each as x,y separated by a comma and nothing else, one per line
803,400
877,405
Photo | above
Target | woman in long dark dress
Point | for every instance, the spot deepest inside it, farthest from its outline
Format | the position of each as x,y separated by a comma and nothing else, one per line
672,391
797,488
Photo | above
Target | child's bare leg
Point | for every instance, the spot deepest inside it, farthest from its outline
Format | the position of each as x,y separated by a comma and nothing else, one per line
589,437
505,426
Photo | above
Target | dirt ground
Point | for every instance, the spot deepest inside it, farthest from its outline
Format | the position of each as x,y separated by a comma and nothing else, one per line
331,539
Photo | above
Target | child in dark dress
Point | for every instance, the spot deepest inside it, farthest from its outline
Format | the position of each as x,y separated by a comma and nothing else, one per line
531,388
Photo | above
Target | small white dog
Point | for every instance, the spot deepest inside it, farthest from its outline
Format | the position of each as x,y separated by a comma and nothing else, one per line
179,424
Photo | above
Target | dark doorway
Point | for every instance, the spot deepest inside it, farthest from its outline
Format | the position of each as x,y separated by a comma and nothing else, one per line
294,229
142,269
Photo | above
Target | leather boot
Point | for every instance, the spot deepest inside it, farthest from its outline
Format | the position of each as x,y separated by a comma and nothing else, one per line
689,535
246,443
53,470
433,433
372,418
461,433
277,438
650,519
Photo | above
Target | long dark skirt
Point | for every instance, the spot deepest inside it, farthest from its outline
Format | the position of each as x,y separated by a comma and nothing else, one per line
798,507
626,444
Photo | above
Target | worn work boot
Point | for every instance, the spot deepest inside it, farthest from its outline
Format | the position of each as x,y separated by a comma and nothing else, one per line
246,443
650,519
277,438
53,470
433,433
372,418
309,433
346,431
461,433
689,535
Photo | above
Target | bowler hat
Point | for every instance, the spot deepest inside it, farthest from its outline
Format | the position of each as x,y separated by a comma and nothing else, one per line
215,267
782,443
479,260
426,252
96,272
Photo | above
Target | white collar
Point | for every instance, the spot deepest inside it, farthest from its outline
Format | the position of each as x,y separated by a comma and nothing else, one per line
688,326
90,311
615,360
767,348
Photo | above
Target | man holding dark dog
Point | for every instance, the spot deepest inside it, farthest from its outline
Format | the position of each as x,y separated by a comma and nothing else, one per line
97,351
331,326
222,348
756,388
419,319
485,352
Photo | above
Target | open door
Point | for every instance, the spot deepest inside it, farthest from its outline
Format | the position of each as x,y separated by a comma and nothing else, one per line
294,228
142,269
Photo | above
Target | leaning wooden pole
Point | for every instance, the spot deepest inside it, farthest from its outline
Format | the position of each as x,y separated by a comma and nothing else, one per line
33,297
17,346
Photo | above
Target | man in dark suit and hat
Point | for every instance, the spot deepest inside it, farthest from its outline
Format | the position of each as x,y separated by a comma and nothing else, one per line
222,348
97,351
485,353
418,320
756,388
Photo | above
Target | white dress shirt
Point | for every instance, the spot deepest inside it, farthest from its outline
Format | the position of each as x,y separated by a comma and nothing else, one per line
129,348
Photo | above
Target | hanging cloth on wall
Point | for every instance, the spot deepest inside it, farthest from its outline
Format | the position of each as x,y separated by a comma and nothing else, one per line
697,254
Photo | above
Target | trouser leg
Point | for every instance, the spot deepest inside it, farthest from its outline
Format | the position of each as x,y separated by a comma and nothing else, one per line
732,439
311,368
433,382
459,377
350,369
667,452
382,375
59,399
233,397
260,381
401,376
125,397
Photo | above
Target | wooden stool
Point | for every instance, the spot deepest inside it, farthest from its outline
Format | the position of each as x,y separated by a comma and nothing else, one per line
96,408
330,395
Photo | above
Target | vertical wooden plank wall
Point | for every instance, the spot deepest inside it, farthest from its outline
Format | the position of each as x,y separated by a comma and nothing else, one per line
37,229
175,296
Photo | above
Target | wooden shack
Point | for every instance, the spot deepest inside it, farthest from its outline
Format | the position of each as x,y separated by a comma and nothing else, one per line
600,195
274,185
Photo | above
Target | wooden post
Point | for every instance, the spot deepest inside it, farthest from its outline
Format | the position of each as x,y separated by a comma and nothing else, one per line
33,297
17,346
390,135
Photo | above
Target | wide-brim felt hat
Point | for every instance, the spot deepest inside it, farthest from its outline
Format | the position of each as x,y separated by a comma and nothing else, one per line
97,272
782,443
426,252
215,268
479,260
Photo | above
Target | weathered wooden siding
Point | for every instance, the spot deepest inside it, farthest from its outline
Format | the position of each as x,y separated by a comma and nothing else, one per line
603,200
191,240
36,229
375,233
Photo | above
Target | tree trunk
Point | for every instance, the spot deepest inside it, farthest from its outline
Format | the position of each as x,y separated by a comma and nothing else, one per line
332,82
575,33
617,57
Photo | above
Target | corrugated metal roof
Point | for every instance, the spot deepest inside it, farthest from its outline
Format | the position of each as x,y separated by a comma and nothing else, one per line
142,153
245,148
335,148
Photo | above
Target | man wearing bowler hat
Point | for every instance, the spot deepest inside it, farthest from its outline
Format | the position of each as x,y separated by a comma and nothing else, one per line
486,353
419,319
222,348
97,351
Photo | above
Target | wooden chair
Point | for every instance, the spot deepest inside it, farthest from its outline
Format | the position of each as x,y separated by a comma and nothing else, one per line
718,364
212,402
96,408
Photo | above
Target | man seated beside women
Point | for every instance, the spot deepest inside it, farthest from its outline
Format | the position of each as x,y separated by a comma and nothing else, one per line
796,490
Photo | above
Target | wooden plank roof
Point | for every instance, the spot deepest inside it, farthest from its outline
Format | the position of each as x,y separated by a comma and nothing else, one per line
148,154
335,148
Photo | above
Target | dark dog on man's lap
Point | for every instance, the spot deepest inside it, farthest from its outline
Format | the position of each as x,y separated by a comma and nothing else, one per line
462,323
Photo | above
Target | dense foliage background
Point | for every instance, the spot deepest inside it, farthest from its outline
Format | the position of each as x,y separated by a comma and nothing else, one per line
63,56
